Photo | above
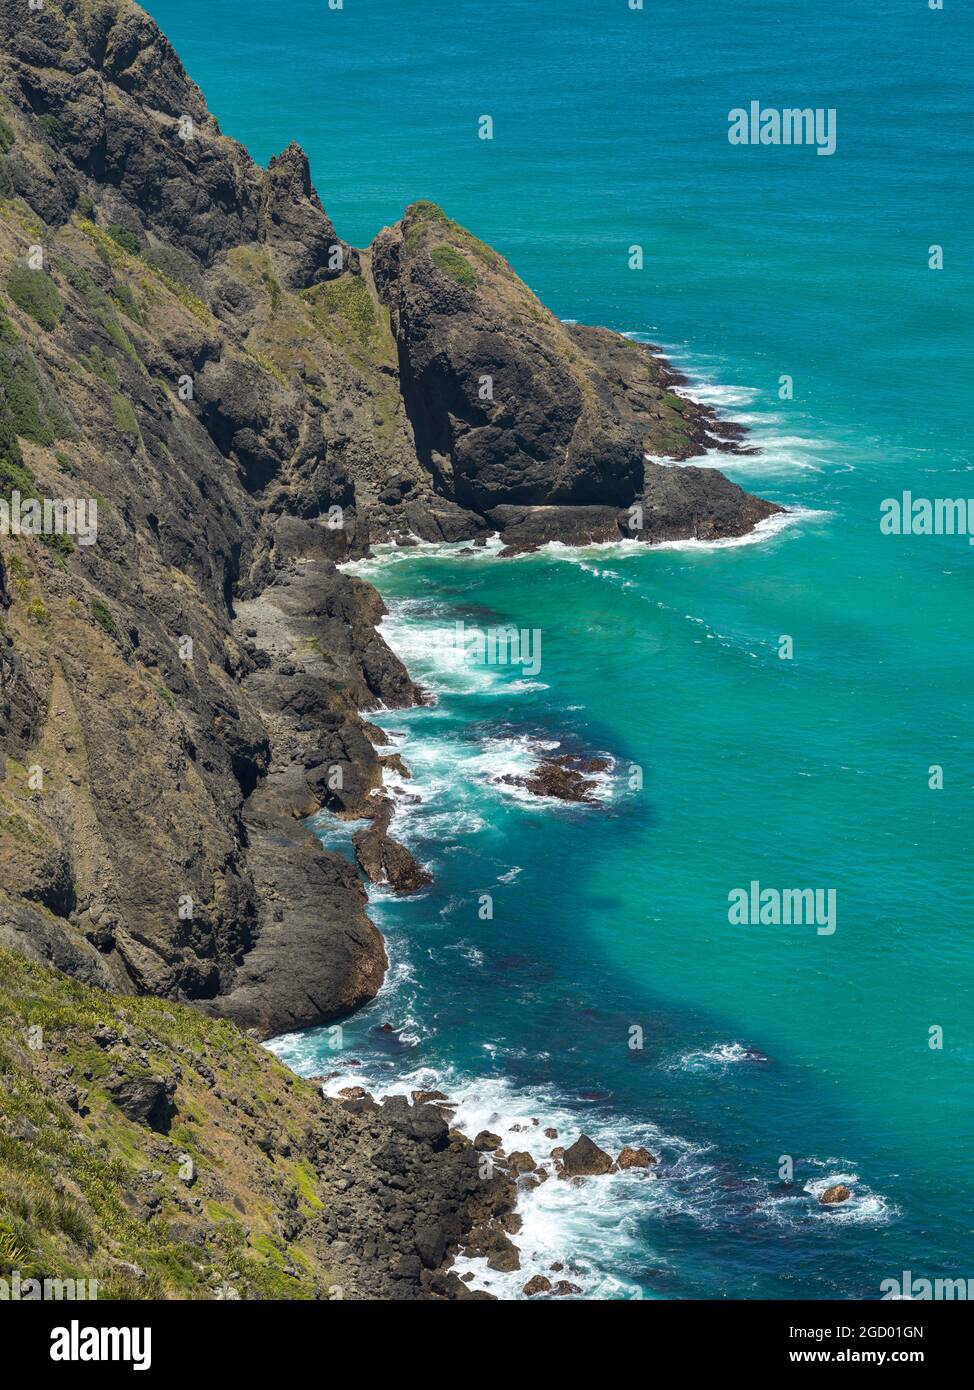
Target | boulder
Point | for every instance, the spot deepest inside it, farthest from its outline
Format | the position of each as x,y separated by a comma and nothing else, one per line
635,1158
837,1193
585,1160
535,1285
147,1100
521,1162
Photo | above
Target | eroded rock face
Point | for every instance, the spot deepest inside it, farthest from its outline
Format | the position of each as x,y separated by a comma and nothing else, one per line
504,407
251,408
146,1100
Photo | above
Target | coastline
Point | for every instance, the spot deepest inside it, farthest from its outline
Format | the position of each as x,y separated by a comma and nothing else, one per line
520,1118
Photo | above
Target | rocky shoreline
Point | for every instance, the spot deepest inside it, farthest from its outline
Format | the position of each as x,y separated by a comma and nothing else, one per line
185,338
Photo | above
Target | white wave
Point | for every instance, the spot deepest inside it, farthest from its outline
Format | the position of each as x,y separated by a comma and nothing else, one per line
593,1229
863,1208
720,1055
391,553
765,530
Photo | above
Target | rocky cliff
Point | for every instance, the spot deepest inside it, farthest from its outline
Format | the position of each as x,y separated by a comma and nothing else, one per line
185,339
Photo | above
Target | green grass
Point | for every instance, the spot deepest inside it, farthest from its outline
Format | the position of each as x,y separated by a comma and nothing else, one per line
175,265
123,237
104,617
126,300
452,263
124,417
348,301
68,1208
36,293
99,363
28,404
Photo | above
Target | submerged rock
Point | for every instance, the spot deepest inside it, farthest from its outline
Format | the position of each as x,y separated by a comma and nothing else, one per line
568,777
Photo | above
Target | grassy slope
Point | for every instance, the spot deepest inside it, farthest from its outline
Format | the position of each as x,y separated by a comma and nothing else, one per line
75,1182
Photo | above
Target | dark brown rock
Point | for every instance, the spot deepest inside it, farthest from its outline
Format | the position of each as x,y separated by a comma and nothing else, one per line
635,1158
535,1285
585,1159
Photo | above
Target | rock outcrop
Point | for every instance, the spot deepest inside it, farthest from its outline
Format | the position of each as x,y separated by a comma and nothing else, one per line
185,340
584,1159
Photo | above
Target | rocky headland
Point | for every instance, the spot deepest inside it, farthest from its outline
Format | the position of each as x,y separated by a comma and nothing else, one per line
250,401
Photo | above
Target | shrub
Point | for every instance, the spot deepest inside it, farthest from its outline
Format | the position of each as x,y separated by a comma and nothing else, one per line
7,136
452,263
60,545
127,240
36,293
102,615
15,477
28,403
101,364
124,416
38,613
175,265
123,296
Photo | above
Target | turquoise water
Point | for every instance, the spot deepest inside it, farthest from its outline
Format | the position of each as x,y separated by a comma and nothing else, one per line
759,1041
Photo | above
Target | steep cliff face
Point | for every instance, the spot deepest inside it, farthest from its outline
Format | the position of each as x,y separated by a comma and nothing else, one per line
185,340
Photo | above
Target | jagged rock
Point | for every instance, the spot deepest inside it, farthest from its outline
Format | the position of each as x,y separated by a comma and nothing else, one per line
486,1142
635,1158
295,226
146,1100
521,1162
566,777
492,1244
585,1159
536,1284
835,1194
171,860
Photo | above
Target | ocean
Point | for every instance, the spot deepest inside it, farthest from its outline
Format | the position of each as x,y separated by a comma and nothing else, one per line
608,992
